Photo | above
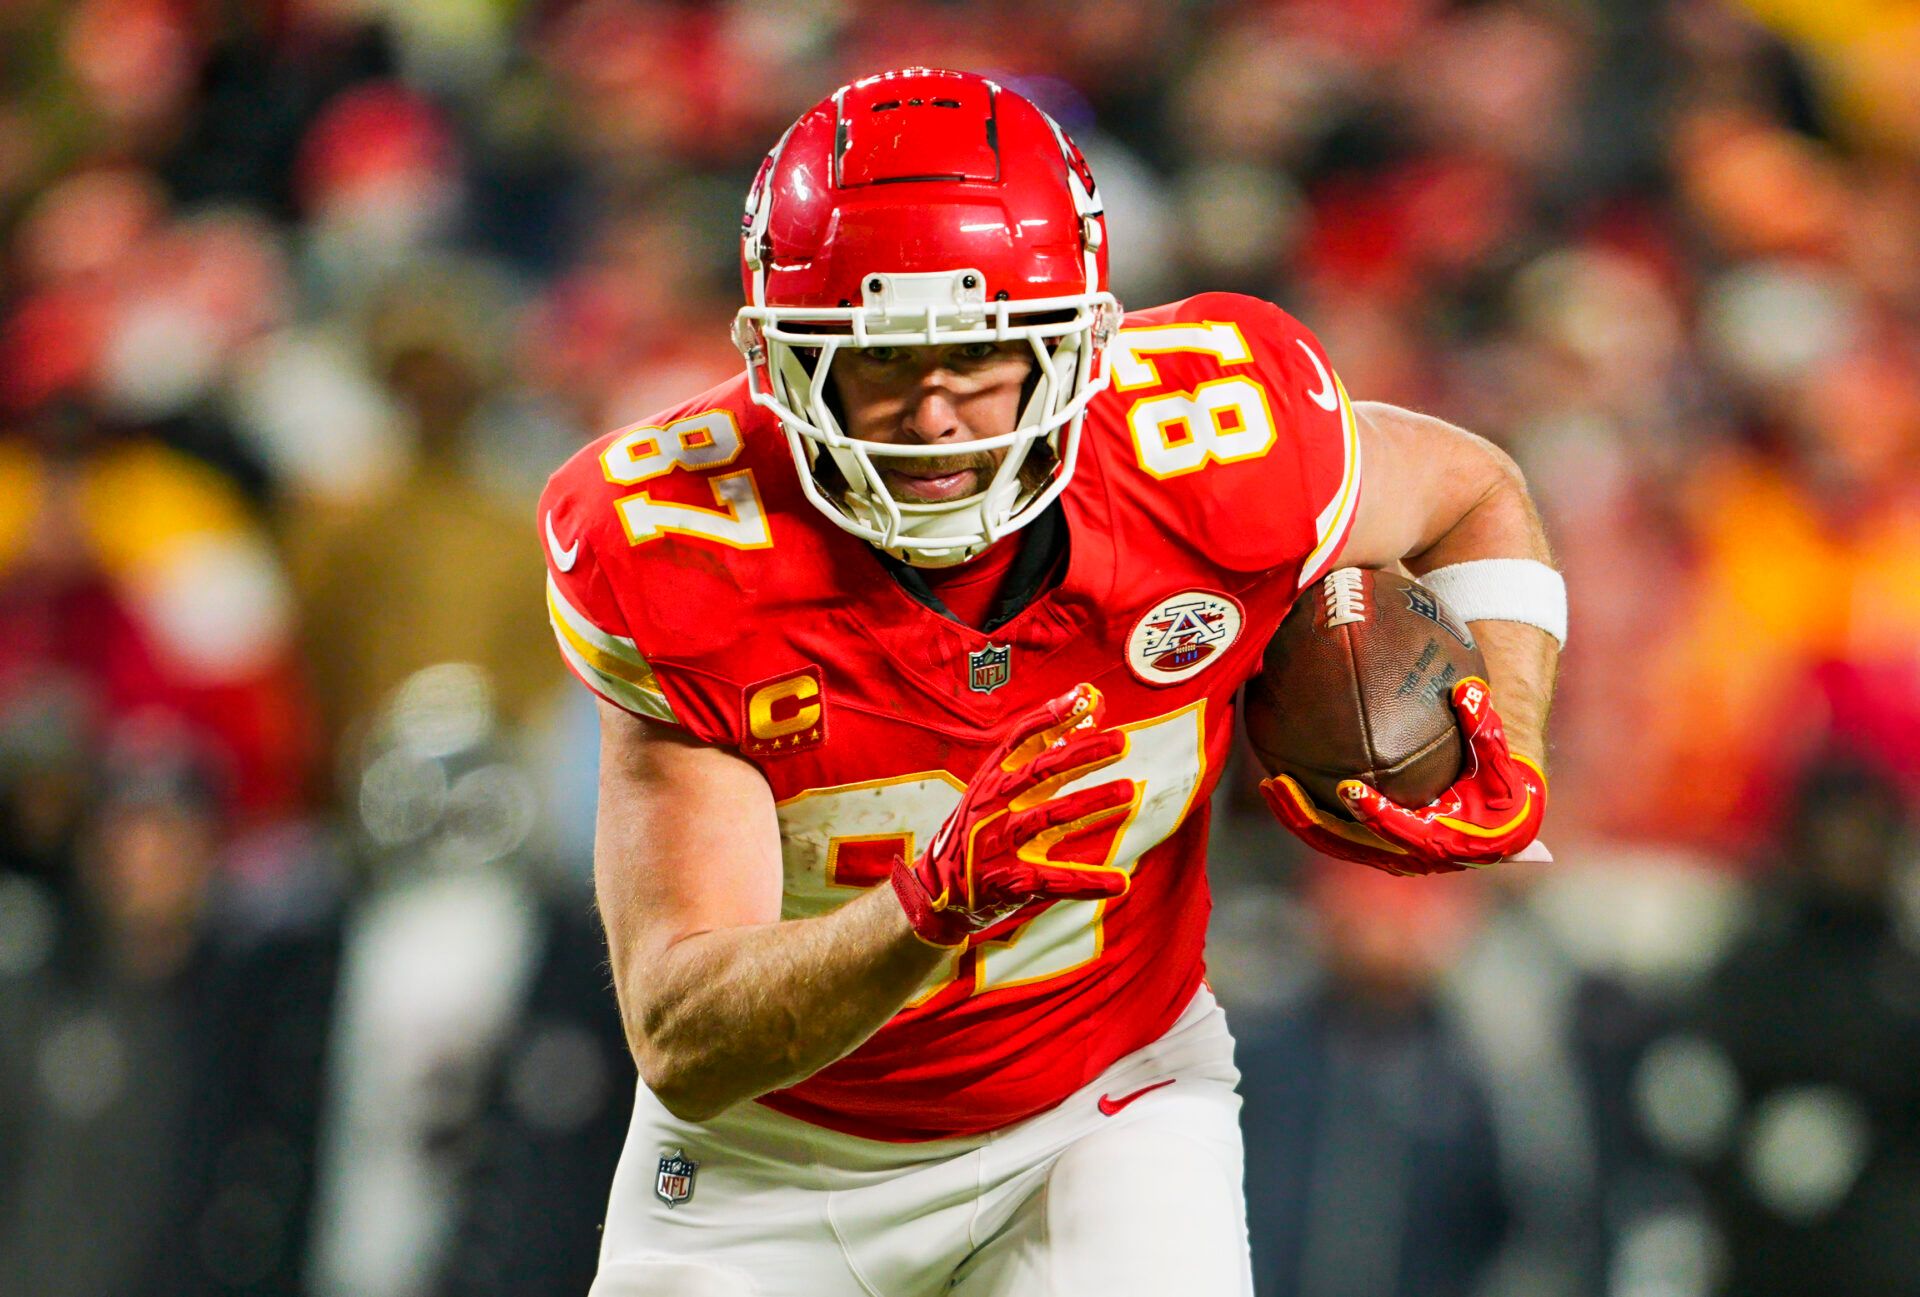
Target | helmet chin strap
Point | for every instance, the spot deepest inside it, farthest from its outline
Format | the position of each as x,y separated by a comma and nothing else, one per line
966,520
931,530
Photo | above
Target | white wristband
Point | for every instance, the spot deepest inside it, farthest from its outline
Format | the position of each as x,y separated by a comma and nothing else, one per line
1504,589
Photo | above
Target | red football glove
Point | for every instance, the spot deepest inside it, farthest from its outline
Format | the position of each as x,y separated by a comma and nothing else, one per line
1492,812
992,856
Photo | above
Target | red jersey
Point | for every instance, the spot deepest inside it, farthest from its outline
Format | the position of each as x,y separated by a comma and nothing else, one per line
691,582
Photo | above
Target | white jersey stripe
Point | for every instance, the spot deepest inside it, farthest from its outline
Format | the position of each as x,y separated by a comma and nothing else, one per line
646,702
618,647
612,664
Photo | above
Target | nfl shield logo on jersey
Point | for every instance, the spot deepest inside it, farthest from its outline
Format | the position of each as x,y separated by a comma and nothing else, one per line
989,668
674,1184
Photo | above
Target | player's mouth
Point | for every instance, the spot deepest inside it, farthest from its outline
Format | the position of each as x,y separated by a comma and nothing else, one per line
935,480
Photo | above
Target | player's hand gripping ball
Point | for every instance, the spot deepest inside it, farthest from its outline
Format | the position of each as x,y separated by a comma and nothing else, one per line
1491,812
996,852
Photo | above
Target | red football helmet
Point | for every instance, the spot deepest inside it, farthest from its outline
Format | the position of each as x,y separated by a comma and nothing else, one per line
924,208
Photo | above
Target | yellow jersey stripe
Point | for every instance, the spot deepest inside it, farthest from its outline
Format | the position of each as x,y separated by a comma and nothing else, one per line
627,668
647,702
613,646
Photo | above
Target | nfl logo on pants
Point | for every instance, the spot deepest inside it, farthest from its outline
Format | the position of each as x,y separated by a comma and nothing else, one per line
674,1184
989,668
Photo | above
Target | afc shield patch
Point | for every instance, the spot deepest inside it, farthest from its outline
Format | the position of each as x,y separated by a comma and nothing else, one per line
989,668
1183,635
673,1184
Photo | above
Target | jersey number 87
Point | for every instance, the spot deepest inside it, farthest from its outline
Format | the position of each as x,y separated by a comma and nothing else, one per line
703,441
837,839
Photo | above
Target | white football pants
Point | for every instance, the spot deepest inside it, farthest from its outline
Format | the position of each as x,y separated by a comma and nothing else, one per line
1145,1202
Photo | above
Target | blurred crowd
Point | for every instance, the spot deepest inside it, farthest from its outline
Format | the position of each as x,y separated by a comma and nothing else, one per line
300,300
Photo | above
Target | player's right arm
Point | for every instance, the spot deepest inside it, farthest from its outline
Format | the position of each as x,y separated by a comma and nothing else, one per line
720,998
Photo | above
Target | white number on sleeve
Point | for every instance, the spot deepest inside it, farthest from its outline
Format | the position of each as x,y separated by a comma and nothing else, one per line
697,443
1219,422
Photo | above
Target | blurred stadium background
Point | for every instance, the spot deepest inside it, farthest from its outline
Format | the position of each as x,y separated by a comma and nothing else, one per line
300,986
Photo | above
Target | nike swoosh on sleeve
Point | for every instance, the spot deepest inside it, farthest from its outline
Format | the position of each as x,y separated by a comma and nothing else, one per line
1326,398
563,559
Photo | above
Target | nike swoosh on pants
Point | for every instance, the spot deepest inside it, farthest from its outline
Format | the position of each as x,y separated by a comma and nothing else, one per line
1109,1105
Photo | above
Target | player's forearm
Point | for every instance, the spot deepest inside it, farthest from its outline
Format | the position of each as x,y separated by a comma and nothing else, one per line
1521,659
722,1016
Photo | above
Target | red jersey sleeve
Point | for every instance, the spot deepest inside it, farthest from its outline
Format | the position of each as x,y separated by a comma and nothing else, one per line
621,615
587,621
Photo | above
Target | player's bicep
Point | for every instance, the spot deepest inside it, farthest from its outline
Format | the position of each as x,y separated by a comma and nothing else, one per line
1423,476
686,841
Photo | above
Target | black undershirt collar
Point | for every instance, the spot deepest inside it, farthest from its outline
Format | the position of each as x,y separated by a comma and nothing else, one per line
1042,556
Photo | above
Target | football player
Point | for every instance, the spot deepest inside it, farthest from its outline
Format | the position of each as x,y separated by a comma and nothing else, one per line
917,646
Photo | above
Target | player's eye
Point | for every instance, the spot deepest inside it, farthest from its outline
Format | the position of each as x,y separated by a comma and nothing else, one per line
881,355
978,351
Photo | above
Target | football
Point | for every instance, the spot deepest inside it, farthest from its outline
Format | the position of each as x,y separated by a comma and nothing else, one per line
1356,684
